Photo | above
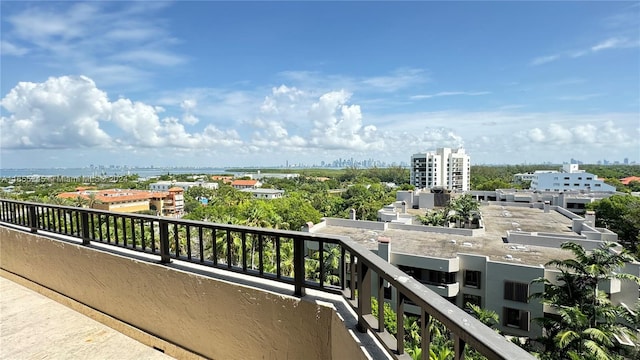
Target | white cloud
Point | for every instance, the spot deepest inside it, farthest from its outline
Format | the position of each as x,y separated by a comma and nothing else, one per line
582,97
450,93
71,112
610,43
544,59
557,136
7,48
59,113
114,43
399,79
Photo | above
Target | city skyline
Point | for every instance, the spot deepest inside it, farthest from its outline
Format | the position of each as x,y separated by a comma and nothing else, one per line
243,84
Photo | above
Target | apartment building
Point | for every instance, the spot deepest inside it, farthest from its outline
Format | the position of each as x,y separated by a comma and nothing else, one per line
569,178
444,168
120,200
492,267
186,185
168,203
573,200
246,184
264,193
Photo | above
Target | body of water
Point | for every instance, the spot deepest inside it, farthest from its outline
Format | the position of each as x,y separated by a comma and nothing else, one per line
88,172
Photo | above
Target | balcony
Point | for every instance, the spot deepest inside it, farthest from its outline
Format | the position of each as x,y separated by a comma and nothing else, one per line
444,290
183,282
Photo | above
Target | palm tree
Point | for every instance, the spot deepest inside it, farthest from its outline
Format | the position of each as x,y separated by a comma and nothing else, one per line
587,320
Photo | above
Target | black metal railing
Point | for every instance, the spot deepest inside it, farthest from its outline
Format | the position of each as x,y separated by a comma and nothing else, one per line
328,263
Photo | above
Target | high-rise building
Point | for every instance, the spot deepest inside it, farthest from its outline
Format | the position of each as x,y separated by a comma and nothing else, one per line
445,168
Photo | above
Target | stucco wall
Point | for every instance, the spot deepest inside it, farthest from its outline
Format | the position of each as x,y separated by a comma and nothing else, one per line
210,317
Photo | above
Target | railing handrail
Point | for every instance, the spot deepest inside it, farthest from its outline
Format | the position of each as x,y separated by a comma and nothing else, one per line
466,328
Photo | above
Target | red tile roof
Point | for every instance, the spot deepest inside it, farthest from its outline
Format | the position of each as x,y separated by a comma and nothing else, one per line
114,195
244,182
629,179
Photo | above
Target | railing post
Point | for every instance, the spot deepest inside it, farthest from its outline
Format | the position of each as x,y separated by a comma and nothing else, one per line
380,303
298,266
164,242
33,218
458,347
400,323
425,334
364,294
84,221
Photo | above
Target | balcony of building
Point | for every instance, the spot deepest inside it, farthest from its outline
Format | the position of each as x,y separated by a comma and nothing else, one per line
221,291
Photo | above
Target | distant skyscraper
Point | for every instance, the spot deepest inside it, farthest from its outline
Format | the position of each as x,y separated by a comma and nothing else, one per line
444,168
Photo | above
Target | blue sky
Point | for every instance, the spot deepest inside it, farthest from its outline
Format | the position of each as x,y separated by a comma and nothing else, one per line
263,83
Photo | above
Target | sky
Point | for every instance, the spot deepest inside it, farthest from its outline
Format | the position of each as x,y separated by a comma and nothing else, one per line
207,83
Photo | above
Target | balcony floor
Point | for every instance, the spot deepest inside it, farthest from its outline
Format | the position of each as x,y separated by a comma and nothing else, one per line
33,326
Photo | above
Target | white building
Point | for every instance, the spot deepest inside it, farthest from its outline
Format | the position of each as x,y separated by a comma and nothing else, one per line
186,185
446,168
265,193
570,178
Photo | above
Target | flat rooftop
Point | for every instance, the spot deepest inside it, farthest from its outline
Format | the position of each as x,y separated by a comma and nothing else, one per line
497,221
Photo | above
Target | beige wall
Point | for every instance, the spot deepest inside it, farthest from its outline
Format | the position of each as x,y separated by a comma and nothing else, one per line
210,317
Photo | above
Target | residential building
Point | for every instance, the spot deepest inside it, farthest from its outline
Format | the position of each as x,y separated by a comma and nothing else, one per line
572,200
529,176
246,184
265,193
444,168
569,178
174,203
493,266
168,203
119,200
186,185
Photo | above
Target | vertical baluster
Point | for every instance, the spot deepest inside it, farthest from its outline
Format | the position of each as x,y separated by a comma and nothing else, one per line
124,231
214,245
426,334
243,240
380,303
321,260
400,322
201,242
278,257
229,248
261,254
458,347
176,239
364,295
188,230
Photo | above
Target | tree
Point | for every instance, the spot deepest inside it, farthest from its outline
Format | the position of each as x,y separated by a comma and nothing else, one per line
620,214
587,321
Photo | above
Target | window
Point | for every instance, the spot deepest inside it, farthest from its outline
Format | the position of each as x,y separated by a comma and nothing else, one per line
566,178
472,279
516,318
473,299
516,291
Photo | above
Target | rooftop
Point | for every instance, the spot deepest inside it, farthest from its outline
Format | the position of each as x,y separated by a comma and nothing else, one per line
114,195
497,220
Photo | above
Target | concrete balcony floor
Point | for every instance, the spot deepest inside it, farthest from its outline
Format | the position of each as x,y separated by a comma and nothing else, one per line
33,326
